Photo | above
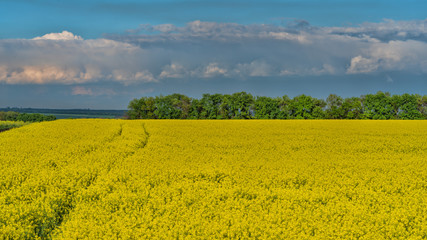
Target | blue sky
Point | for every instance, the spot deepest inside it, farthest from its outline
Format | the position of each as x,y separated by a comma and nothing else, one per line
93,18
101,54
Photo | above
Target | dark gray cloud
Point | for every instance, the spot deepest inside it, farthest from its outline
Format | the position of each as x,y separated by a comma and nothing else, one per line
387,30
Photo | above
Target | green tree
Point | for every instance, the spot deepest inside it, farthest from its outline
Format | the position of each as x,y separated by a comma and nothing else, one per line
377,106
241,105
182,104
307,107
225,107
408,107
266,108
352,108
174,106
334,107
284,107
11,116
142,108
422,105
211,105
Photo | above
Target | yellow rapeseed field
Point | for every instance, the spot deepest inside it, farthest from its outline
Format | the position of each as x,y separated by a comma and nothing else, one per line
237,179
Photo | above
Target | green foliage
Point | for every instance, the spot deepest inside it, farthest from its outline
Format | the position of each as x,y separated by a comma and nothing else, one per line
307,107
142,108
25,117
352,108
267,108
6,125
407,107
335,108
8,116
211,106
422,105
378,106
243,105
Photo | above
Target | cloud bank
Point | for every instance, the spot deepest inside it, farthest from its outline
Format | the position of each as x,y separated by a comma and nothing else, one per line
210,50
63,58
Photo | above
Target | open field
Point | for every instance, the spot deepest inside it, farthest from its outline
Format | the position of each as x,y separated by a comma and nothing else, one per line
236,179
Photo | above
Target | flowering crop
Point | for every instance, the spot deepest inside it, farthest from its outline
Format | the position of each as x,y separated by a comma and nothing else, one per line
151,179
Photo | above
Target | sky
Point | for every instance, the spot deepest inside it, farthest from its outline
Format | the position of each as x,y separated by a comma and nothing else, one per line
102,54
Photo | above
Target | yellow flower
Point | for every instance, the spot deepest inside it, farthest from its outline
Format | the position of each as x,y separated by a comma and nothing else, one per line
237,179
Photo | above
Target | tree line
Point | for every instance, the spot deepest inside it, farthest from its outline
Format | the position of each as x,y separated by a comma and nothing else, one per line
25,117
243,105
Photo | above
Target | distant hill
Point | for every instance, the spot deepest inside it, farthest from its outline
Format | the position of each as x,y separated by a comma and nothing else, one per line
70,113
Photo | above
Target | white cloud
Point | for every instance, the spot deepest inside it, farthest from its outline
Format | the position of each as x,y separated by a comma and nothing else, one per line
128,77
256,68
64,35
90,73
208,50
211,70
173,70
360,64
391,56
301,38
40,75
51,59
